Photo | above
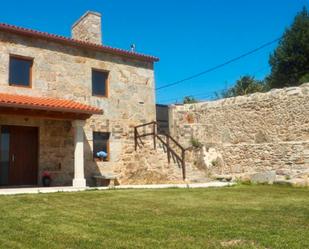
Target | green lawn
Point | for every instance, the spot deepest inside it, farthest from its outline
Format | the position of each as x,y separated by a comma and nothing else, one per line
234,217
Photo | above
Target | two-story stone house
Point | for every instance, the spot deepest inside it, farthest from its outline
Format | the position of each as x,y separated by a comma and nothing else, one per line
68,105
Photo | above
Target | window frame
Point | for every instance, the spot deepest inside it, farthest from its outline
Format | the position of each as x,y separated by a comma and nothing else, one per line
96,159
106,83
23,58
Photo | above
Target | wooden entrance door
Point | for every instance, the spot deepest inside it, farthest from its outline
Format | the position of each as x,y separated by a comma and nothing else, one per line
22,155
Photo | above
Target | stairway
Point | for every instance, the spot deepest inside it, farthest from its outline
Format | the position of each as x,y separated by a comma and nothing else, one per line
193,174
162,152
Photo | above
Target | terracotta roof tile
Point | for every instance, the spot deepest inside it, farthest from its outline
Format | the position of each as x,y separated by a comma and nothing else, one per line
74,42
48,104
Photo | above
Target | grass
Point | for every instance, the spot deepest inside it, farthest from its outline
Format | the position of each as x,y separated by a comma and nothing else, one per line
235,217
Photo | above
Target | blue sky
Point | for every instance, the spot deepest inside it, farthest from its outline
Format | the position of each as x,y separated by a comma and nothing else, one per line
188,36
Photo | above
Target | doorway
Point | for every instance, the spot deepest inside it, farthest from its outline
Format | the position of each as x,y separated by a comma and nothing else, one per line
18,156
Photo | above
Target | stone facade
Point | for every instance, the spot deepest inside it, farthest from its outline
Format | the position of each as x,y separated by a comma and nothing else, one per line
88,28
63,71
254,133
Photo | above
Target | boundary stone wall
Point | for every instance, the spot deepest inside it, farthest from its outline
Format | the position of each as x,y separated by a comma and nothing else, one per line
254,133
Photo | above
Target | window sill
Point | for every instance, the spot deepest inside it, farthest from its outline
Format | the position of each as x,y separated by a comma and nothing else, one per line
100,96
101,160
22,86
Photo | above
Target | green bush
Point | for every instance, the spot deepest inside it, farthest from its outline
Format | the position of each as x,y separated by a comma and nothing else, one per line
196,143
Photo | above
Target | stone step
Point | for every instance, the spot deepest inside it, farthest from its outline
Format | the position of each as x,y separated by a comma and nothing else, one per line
159,157
199,180
223,178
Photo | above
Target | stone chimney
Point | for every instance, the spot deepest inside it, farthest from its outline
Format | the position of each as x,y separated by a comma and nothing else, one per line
88,28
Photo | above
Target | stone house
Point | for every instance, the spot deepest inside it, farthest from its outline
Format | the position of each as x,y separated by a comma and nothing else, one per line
68,105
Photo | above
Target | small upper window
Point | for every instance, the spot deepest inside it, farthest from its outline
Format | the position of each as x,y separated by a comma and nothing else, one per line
20,71
101,145
99,83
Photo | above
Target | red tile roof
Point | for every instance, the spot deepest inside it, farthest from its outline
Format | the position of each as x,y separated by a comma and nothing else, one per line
48,104
74,42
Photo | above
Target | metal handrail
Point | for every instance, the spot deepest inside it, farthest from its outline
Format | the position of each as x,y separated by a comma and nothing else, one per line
170,151
142,125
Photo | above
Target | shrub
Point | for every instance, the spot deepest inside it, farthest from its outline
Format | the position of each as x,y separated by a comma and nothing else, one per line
196,143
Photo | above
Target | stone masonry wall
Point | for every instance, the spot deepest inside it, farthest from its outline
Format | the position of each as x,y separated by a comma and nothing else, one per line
88,28
150,166
254,133
64,72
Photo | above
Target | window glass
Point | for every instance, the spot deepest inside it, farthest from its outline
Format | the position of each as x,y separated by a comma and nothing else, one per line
101,145
99,83
4,155
20,72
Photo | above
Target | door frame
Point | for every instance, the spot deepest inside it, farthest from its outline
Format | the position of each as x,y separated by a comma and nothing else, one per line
36,182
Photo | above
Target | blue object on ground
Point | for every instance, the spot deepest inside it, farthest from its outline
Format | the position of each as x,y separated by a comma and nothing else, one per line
101,154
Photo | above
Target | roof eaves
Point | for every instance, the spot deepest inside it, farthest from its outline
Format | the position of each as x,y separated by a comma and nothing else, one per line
44,104
77,43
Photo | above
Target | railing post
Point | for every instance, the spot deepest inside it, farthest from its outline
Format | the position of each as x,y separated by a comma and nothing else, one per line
154,135
168,149
183,164
135,138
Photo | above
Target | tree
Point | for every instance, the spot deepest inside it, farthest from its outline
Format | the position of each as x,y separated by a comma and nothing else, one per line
290,61
245,85
189,100
304,79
